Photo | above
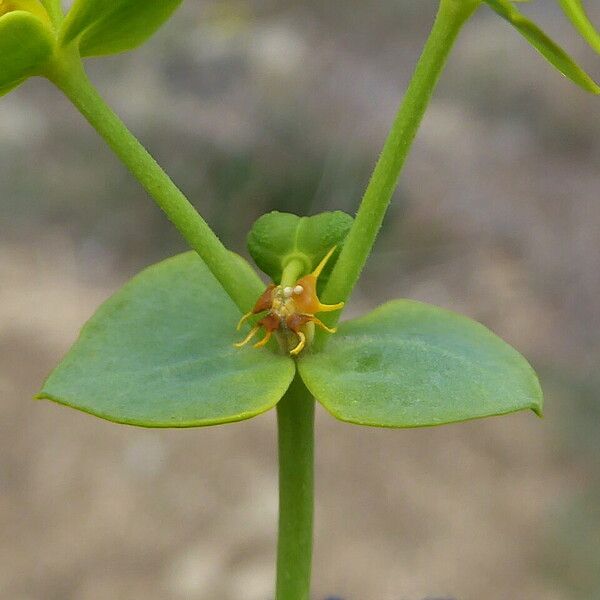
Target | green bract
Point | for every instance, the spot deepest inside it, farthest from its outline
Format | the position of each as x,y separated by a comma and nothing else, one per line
160,353
409,364
26,44
553,53
277,237
111,26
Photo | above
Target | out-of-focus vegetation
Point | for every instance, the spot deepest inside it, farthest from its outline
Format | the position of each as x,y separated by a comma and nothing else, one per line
284,105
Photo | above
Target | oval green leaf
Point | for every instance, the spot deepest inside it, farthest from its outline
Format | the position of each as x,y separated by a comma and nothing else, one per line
409,364
159,353
26,44
576,14
277,237
112,26
549,49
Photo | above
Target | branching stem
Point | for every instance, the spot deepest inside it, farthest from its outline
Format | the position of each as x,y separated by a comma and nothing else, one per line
451,16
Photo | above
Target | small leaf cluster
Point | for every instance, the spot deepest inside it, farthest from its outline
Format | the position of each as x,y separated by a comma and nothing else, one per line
33,34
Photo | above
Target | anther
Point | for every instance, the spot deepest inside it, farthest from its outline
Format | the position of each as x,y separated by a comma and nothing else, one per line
287,292
298,290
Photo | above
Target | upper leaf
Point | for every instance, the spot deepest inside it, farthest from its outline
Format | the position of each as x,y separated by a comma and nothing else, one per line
277,237
111,26
160,353
576,13
544,45
409,364
26,44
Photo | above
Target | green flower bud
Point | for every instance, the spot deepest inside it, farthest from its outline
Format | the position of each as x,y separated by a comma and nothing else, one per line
26,41
278,238
110,26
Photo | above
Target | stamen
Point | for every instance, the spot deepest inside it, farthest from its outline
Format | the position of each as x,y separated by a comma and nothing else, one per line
287,292
248,337
264,341
298,290
300,345
323,326
243,319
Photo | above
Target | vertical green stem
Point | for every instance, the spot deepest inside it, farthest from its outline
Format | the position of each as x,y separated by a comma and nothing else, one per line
451,16
239,281
295,420
292,272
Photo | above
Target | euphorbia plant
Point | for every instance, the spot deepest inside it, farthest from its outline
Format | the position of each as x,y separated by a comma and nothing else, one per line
164,350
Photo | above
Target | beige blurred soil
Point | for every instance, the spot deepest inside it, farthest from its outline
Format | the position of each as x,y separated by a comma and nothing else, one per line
94,511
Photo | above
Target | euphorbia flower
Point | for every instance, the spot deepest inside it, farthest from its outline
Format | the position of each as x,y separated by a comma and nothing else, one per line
291,309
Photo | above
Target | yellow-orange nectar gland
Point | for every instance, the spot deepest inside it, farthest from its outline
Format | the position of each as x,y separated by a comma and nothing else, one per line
290,308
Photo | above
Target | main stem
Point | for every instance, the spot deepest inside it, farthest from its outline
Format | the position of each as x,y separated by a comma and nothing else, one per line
295,421
237,278
451,16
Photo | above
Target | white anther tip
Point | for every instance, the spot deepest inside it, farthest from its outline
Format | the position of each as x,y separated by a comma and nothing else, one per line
298,290
287,292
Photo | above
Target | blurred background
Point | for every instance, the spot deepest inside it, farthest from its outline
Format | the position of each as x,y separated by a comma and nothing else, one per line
261,105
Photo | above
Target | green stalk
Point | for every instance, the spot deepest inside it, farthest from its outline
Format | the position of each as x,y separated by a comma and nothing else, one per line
451,16
295,421
292,272
242,284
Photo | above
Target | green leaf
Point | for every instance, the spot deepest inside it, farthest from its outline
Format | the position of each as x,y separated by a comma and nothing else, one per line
576,13
26,44
112,26
277,237
553,53
160,353
409,364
